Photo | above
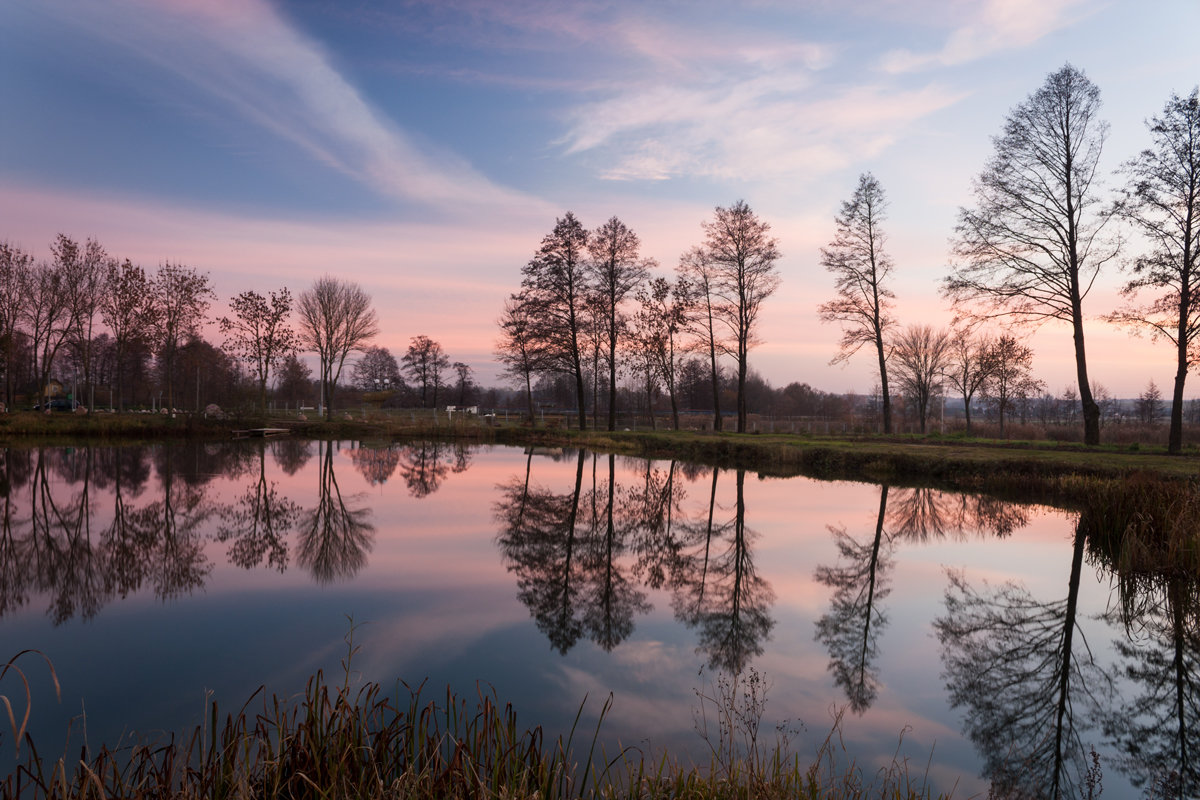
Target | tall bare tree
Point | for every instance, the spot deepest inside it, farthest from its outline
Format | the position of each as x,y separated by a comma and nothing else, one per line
861,270
336,319
15,266
921,356
84,269
182,296
706,314
128,309
742,252
661,314
617,269
1162,201
556,285
258,333
47,316
1032,246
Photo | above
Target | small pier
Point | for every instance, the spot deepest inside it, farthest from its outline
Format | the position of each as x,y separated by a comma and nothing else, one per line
250,433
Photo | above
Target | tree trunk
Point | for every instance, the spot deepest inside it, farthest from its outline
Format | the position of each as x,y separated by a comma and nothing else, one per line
883,383
1091,411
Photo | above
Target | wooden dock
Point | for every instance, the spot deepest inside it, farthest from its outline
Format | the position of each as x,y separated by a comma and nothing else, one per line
260,432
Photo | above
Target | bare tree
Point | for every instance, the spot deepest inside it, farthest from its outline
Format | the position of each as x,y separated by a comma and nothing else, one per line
424,364
663,308
921,355
46,312
704,320
556,285
336,319
967,365
376,370
1149,404
15,266
739,247
1162,201
84,270
258,333
861,269
617,269
181,296
519,349
463,386
128,309
1009,368
1031,248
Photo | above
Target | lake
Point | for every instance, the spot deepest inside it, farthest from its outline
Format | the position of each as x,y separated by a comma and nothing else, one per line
980,641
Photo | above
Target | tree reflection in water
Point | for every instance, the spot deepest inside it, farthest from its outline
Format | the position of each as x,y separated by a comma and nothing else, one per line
1029,687
574,554
1156,729
334,537
258,522
424,465
850,629
50,546
727,601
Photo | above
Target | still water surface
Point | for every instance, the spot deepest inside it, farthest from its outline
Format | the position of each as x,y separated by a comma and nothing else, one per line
979,639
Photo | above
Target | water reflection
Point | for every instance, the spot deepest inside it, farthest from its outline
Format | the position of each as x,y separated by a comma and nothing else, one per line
850,629
1156,727
1026,676
576,553
336,534
590,543
257,524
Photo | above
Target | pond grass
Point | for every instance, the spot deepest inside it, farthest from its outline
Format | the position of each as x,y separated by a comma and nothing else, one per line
338,741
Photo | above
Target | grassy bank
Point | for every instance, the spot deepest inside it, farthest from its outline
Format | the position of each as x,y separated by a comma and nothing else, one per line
1043,471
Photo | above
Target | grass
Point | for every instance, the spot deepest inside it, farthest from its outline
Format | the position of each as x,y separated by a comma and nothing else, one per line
338,741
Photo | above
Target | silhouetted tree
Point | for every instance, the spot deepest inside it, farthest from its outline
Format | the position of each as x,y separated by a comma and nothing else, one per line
258,334
519,349
1031,247
707,310
181,299
967,365
15,266
555,285
1009,375
128,309
1162,201
336,319
861,269
424,363
616,270
742,253
921,356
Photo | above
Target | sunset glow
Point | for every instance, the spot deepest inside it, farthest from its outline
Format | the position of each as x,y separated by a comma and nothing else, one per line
423,149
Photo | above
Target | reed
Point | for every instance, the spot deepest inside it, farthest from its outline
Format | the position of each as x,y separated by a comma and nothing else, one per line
337,741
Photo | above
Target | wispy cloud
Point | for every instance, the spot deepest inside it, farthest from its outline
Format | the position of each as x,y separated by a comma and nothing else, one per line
765,127
998,25
262,69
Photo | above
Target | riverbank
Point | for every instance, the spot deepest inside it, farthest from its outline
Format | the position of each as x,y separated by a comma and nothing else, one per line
1035,471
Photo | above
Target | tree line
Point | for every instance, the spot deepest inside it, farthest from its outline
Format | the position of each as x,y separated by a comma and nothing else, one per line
95,322
1028,251
591,311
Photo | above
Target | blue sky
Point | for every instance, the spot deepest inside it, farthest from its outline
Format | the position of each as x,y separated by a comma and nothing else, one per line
424,148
